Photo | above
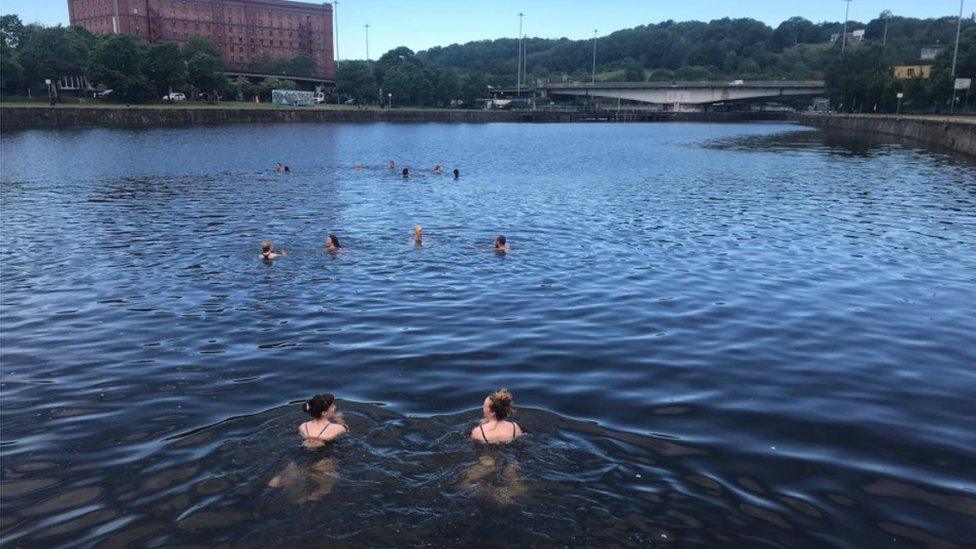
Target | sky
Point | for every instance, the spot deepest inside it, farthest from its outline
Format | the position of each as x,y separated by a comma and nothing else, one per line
420,24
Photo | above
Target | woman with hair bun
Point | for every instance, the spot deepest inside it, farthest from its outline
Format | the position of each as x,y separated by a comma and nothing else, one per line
326,424
495,427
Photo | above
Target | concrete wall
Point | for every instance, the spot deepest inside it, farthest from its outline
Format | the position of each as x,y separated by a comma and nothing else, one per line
957,133
16,117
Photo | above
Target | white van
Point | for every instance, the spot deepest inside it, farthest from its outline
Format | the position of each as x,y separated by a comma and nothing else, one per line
175,96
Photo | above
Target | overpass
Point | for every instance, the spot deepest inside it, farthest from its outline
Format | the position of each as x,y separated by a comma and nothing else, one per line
685,93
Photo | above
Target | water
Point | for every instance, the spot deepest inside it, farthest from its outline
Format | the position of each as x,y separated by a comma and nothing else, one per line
730,335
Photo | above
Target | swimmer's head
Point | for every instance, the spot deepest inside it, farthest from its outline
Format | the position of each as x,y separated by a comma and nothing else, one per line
501,241
417,229
319,405
332,241
266,246
498,405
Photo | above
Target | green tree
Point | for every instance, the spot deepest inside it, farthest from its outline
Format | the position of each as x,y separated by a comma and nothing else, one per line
204,72
356,79
52,52
116,63
475,87
200,45
245,88
12,31
165,68
445,86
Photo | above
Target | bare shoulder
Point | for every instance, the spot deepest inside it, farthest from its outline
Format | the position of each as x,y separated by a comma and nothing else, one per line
476,432
302,429
518,429
334,431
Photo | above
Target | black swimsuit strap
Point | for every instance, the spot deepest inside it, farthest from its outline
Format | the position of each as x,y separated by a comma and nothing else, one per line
483,433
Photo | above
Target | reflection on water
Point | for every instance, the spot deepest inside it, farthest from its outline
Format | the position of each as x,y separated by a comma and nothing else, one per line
728,335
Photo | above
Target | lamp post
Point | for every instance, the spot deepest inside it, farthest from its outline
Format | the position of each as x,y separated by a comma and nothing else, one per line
390,98
955,57
518,68
899,96
367,42
594,56
847,16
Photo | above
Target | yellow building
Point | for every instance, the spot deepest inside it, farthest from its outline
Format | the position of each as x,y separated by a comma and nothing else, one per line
907,72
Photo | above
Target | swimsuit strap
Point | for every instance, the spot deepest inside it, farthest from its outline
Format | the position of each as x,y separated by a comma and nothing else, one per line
305,425
483,433
327,423
513,431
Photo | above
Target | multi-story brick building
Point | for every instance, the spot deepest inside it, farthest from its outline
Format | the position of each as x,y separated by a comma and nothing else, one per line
246,31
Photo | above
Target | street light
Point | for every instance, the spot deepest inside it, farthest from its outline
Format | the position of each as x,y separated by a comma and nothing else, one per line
518,68
847,16
367,42
594,56
899,96
955,56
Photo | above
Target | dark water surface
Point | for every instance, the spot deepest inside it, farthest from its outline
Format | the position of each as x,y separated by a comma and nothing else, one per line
730,335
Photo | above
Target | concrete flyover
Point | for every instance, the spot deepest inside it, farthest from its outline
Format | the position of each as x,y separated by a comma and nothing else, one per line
687,93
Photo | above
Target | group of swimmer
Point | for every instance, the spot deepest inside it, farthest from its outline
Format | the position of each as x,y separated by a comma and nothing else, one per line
327,425
494,427
438,170
332,245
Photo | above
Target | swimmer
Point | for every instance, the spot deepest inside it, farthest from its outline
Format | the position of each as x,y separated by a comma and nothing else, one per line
501,244
332,243
494,428
391,165
326,424
438,170
418,235
359,167
457,174
279,167
268,253
287,170
406,173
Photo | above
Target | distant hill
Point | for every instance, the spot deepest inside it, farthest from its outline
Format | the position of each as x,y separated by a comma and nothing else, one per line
719,49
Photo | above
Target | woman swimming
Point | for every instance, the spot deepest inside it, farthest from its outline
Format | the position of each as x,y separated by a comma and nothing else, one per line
418,235
326,424
268,253
332,243
406,173
494,427
438,170
501,244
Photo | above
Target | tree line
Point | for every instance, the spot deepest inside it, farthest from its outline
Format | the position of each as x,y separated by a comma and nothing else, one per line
858,79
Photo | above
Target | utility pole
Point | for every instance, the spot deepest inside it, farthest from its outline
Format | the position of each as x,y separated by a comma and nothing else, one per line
594,56
886,15
518,69
847,16
335,18
367,42
955,57
116,23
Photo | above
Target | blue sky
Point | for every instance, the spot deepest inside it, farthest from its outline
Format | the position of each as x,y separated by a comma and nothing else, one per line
420,24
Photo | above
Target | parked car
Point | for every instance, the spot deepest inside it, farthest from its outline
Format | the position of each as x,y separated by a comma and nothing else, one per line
175,96
104,93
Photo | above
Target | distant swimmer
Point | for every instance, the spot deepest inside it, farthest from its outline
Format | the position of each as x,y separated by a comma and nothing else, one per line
359,167
418,235
268,252
457,174
501,244
495,427
438,170
287,170
326,424
406,173
279,167
332,243
391,165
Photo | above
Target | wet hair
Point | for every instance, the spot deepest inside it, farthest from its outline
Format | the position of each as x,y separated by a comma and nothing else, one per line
266,247
457,172
287,169
334,239
318,405
500,404
501,241
406,172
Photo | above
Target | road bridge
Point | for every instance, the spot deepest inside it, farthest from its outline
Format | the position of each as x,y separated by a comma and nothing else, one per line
685,93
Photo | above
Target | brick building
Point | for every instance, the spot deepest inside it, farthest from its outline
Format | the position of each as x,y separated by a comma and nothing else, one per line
246,31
